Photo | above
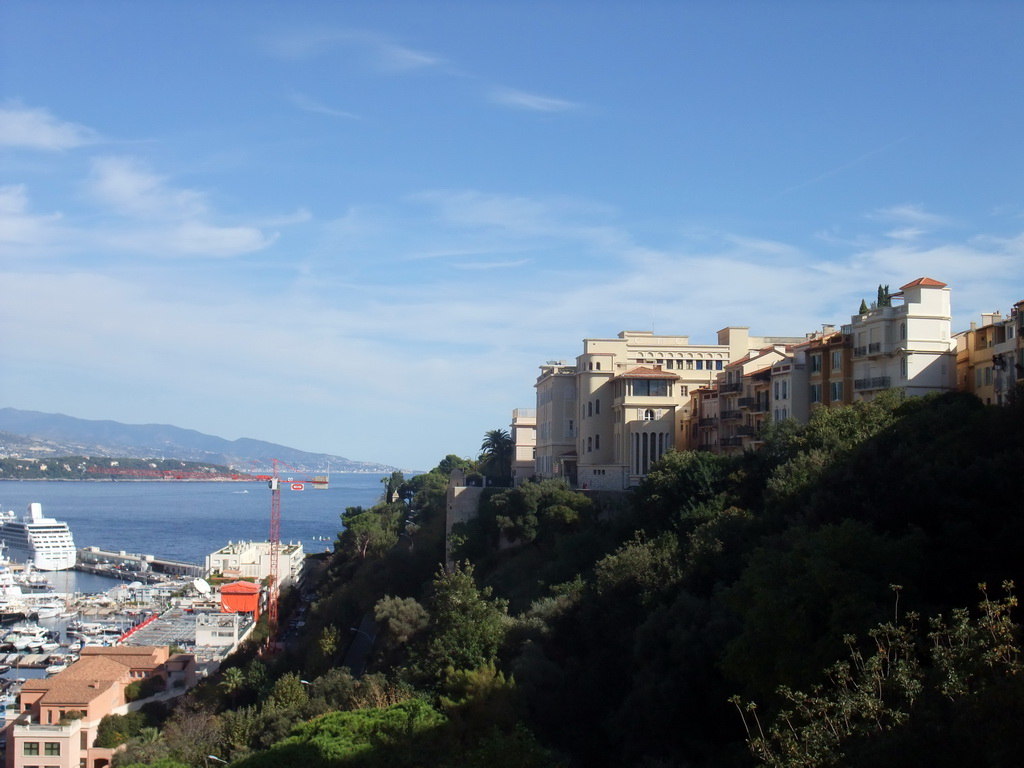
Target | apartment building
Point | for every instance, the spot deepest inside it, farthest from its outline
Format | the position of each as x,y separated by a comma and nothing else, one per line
58,717
702,434
817,372
556,422
744,399
524,444
252,560
627,401
990,357
907,345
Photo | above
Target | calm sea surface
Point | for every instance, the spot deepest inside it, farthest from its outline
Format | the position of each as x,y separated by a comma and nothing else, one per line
189,520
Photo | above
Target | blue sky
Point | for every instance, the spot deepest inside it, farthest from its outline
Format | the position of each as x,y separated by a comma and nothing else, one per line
358,228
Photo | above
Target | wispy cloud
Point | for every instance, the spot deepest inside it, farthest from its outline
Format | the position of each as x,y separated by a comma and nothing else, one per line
508,97
397,58
906,233
126,186
490,265
909,214
19,228
304,102
380,51
841,168
164,218
30,128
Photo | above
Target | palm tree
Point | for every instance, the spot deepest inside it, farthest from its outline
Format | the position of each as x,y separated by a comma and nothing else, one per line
232,681
496,453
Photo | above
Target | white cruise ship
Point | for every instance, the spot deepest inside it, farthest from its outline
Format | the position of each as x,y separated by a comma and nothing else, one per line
42,541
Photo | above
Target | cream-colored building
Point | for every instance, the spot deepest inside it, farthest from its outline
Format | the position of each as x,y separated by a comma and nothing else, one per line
524,444
907,345
626,402
989,359
252,560
744,397
556,422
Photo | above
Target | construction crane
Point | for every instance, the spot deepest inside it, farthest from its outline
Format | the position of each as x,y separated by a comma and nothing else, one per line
274,483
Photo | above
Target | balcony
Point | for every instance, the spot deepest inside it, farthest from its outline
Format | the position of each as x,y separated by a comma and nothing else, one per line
876,382
707,421
730,415
745,402
860,351
732,441
746,431
734,387
874,347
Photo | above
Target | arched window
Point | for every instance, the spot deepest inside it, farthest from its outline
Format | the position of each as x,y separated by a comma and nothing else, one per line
597,406
903,366
597,442
590,408
648,415
903,331
590,444
599,366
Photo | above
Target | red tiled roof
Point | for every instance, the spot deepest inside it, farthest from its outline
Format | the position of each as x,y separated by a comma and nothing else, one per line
923,281
644,372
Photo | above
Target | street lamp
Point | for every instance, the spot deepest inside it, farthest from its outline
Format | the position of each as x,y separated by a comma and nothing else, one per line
371,638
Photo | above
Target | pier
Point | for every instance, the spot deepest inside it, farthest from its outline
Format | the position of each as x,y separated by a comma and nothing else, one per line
124,565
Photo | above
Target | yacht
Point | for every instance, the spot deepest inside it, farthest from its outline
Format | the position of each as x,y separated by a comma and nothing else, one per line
42,541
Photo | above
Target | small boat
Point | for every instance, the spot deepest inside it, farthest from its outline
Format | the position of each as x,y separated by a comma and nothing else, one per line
53,669
47,611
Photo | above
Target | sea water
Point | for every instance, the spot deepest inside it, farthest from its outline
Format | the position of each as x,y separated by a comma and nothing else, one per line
187,520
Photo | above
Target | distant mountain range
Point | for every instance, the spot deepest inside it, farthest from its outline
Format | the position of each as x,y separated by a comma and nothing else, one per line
31,434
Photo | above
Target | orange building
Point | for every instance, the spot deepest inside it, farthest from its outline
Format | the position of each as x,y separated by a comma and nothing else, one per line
58,717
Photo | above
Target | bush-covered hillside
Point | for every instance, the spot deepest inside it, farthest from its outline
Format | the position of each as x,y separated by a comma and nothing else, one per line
815,603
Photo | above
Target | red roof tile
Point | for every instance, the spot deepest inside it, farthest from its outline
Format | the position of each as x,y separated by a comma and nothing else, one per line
644,372
923,281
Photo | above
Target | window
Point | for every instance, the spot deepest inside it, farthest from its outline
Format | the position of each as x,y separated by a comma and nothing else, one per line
598,365
988,375
776,390
903,367
597,442
815,363
700,365
815,393
649,387
31,748
597,406
785,390
52,748
590,408
835,391
718,365
590,444
648,415
837,360
903,331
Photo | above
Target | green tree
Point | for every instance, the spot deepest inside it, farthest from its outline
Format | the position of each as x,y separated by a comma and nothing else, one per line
287,693
232,681
466,625
370,533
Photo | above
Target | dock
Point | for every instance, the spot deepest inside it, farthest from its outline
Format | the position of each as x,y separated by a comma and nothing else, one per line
145,568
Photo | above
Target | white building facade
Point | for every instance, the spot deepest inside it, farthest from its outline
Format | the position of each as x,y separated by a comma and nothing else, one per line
908,345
